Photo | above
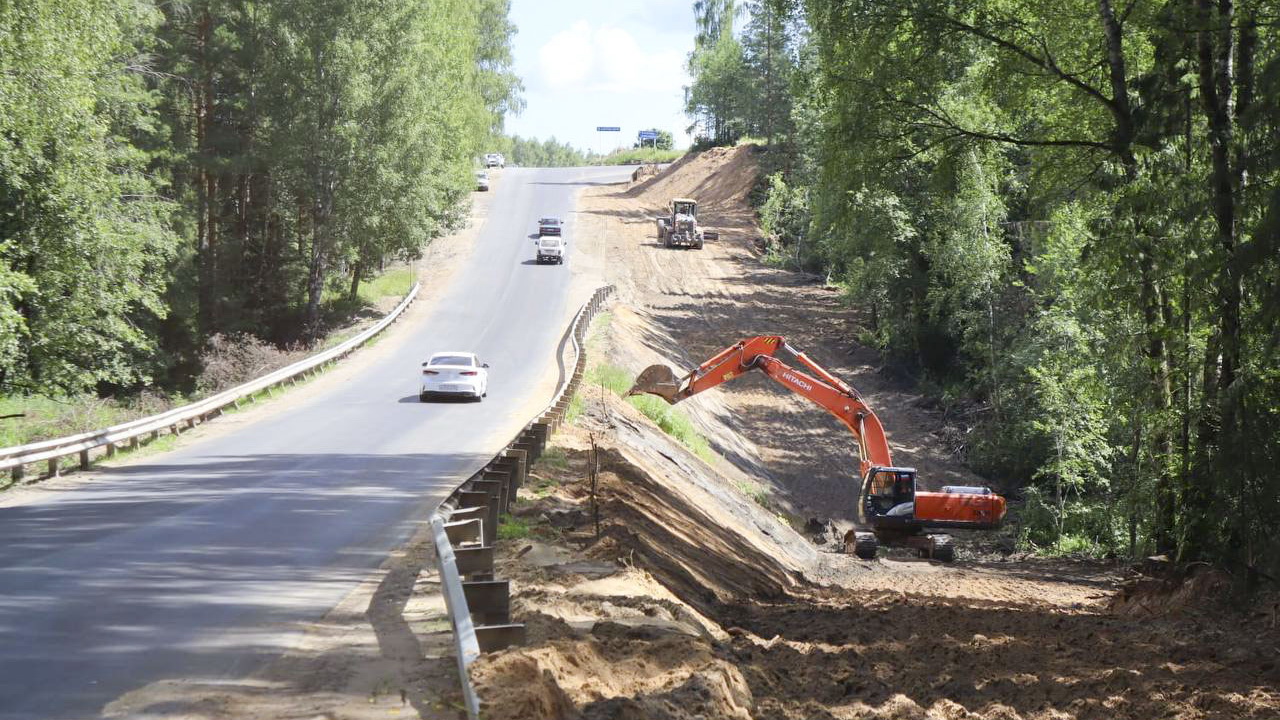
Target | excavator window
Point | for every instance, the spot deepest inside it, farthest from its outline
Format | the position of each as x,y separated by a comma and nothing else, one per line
890,489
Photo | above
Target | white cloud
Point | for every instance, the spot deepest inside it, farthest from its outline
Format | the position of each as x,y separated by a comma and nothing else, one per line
607,59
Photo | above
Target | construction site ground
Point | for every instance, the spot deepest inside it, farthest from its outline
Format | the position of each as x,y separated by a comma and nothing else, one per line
683,586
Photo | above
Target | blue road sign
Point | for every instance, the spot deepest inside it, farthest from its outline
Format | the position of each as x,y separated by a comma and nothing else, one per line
648,134
608,129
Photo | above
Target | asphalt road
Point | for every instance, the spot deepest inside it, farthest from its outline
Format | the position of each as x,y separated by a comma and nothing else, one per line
196,563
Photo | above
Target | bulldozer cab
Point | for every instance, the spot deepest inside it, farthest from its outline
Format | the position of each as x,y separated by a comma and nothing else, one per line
890,493
684,206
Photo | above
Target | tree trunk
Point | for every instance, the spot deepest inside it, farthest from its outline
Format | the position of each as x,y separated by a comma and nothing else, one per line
356,271
206,187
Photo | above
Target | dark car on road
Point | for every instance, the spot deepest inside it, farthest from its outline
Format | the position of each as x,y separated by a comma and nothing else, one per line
549,226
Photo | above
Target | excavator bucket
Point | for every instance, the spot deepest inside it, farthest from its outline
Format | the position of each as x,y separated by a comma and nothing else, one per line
657,380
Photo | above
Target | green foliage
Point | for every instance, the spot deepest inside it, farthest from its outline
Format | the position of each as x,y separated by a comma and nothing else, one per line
642,155
176,171
741,81
514,528
664,141
1079,527
530,152
84,235
672,421
1084,260
576,406
611,377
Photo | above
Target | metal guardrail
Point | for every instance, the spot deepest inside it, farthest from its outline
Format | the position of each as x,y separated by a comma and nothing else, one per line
15,459
465,525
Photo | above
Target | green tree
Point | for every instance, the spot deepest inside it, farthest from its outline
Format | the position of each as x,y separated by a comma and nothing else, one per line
84,239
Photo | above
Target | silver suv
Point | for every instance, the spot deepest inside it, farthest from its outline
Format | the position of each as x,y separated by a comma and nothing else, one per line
550,249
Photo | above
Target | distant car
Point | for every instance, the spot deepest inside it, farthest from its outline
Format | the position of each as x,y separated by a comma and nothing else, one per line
494,160
482,181
454,374
549,226
550,249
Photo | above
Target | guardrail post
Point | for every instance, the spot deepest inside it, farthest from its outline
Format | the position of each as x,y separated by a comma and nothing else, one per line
541,433
530,448
505,469
480,499
492,490
55,468
474,560
489,601
492,638
84,459
16,474
463,531
502,478
521,461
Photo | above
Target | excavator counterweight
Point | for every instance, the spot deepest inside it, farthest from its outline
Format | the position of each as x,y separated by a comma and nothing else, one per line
889,503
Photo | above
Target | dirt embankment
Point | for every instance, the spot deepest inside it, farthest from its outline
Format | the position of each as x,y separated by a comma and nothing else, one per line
690,600
684,306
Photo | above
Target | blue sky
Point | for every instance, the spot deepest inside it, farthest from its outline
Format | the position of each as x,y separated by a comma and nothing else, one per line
594,62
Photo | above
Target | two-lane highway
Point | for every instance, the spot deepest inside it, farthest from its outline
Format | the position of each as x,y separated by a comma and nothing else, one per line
190,564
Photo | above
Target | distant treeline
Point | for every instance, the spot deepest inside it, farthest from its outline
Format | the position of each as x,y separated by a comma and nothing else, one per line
531,152
172,171
1062,218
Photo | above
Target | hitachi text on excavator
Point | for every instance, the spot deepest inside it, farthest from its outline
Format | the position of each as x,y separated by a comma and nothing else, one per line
891,510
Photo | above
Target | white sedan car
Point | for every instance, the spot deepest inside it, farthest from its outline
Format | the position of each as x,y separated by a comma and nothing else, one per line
454,374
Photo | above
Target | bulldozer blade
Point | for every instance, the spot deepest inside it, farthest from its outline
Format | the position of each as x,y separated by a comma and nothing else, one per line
657,380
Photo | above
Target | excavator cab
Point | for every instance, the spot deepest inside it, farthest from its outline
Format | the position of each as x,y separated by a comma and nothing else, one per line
889,496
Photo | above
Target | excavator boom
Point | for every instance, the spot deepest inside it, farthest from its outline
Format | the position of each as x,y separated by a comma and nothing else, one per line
889,500
758,353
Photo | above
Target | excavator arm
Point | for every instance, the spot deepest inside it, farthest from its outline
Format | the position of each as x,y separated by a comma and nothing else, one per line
759,353
889,501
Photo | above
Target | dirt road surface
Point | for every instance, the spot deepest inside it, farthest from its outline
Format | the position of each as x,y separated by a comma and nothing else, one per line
690,599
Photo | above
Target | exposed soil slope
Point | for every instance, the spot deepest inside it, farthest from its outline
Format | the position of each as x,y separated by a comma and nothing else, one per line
682,306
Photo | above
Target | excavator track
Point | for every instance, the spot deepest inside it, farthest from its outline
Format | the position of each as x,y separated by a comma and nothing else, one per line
941,548
863,544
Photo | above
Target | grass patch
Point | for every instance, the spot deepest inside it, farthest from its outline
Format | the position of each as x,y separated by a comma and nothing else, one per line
554,458
514,528
541,485
672,421
611,377
758,494
576,407
637,156
599,331
43,418
392,283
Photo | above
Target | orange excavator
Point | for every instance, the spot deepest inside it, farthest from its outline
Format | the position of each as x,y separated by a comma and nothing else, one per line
896,512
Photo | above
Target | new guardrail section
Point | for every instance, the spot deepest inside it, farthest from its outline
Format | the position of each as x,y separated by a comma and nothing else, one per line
465,525
15,459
